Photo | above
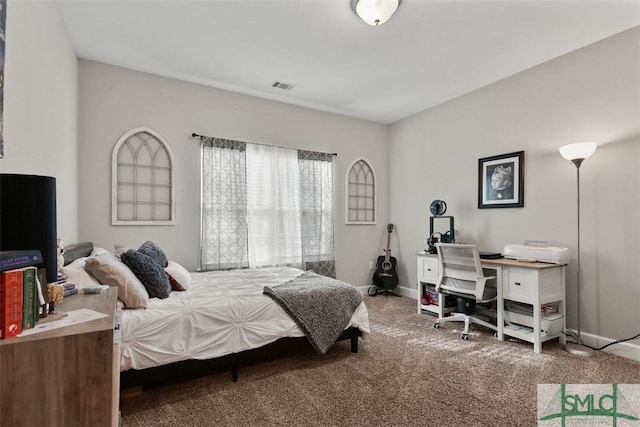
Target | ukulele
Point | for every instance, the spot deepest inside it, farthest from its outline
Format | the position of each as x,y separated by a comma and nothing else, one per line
385,276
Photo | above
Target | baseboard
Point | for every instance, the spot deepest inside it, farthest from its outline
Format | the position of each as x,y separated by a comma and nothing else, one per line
408,292
362,289
402,291
628,350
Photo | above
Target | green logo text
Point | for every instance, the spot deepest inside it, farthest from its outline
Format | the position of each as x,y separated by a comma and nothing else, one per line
582,407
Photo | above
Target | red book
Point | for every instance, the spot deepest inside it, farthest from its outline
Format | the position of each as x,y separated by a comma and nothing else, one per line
10,303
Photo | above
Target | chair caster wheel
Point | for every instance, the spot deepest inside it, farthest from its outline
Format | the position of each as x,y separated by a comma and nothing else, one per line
465,337
436,325
495,335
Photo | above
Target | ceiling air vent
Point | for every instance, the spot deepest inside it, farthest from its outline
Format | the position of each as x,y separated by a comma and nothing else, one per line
282,85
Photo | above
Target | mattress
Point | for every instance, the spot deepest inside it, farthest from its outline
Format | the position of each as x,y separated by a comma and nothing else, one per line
222,312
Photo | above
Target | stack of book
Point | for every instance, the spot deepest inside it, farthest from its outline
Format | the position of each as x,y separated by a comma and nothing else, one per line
20,292
68,288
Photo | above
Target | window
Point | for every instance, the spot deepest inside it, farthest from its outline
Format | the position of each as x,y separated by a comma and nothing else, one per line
266,206
360,193
142,180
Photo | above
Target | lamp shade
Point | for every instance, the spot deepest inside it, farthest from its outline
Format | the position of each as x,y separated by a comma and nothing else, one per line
375,12
578,150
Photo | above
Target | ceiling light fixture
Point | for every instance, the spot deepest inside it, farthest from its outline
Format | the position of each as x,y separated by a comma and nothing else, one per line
375,12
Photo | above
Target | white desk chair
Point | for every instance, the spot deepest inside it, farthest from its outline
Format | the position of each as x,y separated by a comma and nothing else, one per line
461,275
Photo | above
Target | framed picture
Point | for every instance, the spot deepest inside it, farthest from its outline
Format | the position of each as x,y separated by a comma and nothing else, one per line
501,181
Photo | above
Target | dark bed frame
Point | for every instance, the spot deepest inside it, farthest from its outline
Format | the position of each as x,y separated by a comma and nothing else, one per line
177,371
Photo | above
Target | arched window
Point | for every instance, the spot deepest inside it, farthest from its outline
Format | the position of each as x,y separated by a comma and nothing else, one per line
142,187
360,193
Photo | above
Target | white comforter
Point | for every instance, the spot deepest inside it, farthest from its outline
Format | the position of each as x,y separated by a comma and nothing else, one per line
222,312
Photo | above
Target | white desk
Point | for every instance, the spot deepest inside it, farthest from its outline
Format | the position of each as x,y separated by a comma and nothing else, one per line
530,283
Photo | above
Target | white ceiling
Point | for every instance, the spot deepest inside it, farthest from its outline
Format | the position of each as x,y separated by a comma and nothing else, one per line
429,52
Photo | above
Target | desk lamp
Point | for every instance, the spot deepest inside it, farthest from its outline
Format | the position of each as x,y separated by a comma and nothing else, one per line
577,153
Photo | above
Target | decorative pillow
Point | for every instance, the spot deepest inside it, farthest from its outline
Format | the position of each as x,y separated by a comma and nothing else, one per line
119,250
76,274
152,276
98,251
152,250
179,277
175,285
110,271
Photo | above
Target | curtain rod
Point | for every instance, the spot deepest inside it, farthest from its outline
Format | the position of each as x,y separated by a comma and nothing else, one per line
195,135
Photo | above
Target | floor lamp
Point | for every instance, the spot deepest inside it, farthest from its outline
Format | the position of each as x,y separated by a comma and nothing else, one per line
577,153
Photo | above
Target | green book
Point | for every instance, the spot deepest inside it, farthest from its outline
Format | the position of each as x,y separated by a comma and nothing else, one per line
30,297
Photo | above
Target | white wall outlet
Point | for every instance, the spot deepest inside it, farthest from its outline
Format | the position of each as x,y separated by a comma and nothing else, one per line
371,265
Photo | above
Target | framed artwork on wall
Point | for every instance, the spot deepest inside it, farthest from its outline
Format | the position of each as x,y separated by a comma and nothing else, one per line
360,193
501,181
142,180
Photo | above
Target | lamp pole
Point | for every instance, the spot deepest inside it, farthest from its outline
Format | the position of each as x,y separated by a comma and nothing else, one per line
577,153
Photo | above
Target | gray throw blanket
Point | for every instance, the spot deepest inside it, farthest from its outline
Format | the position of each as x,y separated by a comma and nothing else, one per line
322,307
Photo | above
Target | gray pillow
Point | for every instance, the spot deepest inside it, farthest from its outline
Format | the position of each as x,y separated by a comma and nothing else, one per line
152,276
151,249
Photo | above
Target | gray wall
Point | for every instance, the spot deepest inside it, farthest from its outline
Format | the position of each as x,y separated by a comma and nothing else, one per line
589,95
40,104
113,100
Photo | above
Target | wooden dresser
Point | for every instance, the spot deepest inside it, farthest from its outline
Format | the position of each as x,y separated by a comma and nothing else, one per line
67,376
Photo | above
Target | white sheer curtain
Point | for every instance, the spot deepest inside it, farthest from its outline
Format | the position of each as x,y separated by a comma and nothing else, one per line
273,206
266,206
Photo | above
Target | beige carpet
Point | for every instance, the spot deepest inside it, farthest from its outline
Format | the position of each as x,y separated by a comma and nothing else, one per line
406,374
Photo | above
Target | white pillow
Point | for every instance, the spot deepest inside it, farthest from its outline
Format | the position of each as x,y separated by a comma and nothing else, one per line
179,274
119,250
98,251
111,271
77,275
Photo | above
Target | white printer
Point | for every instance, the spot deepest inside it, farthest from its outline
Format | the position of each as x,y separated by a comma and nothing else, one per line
537,253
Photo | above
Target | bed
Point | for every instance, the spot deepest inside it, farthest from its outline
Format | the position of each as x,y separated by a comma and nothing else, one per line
220,316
